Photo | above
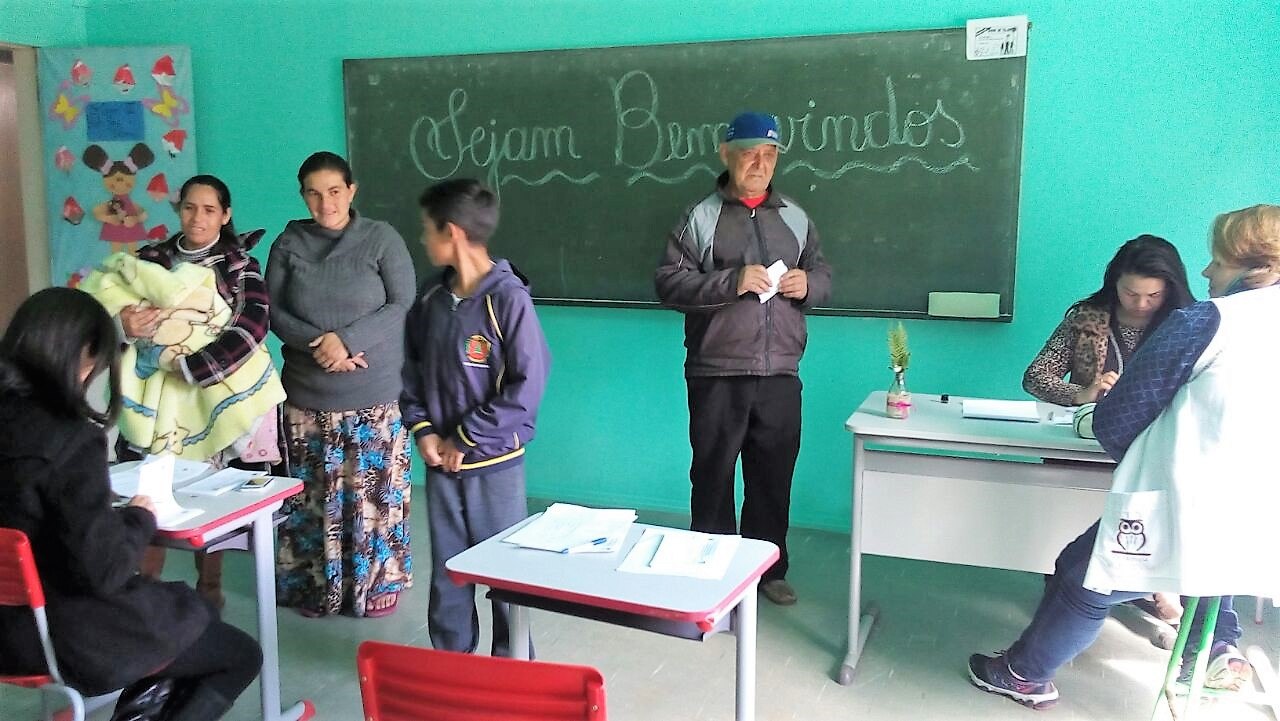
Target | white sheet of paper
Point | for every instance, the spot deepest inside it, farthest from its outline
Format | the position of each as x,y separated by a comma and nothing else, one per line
775,272
155,480
1000,410
675,552
566,526
124,476
993,38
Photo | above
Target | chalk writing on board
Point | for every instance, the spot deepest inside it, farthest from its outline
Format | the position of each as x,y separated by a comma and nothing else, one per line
547,177
653,148
672,180
903,152
486,145
638,124
885,168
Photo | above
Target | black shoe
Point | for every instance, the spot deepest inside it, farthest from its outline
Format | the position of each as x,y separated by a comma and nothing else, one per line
779,592
197,704
144,700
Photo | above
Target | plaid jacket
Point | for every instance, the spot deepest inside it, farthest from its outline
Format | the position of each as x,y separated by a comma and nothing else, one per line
240,284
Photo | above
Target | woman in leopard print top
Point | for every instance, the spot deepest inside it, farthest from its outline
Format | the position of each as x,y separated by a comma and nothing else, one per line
1144,282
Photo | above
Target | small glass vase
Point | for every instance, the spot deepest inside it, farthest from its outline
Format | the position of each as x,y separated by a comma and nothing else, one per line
898,401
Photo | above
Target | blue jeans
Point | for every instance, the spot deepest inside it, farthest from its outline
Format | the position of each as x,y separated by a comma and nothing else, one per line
1070,616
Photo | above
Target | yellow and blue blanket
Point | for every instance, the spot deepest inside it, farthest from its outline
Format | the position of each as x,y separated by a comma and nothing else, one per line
161,410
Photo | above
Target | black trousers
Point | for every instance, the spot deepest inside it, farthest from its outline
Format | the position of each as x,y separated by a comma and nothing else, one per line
757,417
223,659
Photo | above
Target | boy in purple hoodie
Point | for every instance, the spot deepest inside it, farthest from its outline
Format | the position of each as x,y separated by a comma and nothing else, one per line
476,364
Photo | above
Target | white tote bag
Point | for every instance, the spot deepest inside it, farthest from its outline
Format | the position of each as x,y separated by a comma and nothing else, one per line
1135,549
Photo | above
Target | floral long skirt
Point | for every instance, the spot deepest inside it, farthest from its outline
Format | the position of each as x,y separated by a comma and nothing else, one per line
345,538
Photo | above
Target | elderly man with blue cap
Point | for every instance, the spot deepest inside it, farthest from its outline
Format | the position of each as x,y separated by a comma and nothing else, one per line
743,265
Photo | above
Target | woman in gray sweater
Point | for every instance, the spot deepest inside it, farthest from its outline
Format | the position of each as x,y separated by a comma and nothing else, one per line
340,287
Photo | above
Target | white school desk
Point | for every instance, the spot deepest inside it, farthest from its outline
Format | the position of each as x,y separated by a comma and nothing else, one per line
952,507
589,585
242,520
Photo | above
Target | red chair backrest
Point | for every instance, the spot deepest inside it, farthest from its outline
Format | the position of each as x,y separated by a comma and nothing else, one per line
19,579
408,683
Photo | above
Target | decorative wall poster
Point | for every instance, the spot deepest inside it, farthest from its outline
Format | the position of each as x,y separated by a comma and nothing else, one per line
119,142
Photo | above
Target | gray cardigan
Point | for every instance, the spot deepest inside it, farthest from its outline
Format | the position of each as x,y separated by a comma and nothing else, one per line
357,282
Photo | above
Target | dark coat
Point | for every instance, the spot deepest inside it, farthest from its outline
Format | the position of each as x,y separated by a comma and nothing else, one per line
727,334
475,372
109,625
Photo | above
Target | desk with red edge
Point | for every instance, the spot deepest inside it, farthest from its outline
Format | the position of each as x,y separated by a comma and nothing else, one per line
243,520
588,585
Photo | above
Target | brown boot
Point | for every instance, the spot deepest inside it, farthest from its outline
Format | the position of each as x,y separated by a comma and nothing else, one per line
209,577
152,562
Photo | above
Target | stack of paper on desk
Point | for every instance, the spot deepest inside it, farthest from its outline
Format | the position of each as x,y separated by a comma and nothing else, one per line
155,476
673,552
1000,410
566,528
124,476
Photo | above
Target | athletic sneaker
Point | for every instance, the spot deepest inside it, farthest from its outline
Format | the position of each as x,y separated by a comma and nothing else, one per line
993,675
1228,669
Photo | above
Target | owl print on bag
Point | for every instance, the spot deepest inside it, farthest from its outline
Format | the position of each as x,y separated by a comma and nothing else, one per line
1131,536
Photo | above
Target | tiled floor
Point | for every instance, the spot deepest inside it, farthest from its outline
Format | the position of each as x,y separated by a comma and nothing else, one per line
932,616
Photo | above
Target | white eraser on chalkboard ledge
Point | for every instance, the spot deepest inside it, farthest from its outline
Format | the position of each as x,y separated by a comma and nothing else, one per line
964,305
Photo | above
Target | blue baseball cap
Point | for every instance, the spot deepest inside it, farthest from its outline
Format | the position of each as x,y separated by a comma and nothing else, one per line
751,129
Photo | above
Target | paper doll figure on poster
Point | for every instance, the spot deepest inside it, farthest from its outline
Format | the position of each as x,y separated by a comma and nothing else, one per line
121,218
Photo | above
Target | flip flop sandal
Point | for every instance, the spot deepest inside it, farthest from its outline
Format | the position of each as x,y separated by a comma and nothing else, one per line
377,607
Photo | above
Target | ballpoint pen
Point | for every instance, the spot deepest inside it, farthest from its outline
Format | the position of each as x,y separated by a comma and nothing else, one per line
586,546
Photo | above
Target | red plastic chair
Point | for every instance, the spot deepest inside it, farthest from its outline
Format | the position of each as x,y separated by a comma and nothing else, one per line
20,586
409,683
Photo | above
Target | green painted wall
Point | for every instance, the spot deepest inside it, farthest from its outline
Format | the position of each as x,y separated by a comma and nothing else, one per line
42,22
1141,117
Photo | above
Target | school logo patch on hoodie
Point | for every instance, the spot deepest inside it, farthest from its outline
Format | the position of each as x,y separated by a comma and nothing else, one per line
477,349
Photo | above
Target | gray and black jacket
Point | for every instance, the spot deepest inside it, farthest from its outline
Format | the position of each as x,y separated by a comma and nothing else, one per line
727,334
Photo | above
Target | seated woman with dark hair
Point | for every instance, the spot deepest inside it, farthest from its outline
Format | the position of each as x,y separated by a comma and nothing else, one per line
1144,282
1083,358
111,627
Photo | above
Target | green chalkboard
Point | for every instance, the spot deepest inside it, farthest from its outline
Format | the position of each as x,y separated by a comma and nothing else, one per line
906,155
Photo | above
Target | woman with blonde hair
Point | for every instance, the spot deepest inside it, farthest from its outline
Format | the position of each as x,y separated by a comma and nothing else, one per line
1190,424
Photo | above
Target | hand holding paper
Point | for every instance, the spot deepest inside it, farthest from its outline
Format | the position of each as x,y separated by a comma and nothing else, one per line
775,272
754,279
794,284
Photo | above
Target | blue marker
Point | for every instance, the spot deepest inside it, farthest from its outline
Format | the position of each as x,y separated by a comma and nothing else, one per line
586,546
